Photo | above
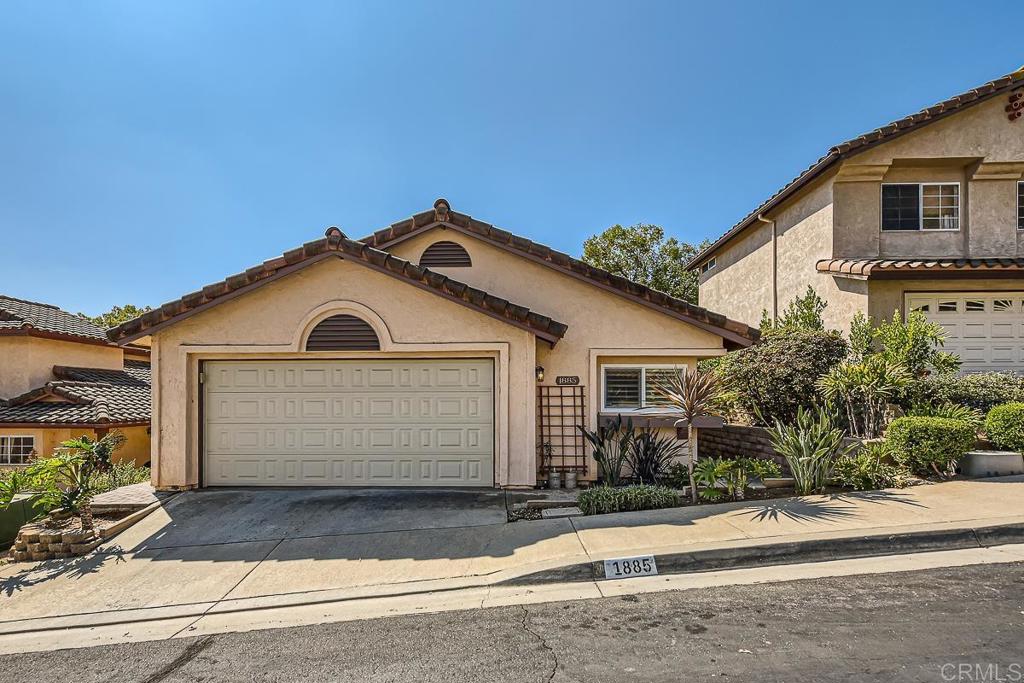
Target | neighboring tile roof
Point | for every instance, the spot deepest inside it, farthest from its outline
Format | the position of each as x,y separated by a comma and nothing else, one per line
90,396
945,267
442,215
20,316
844,150
335,244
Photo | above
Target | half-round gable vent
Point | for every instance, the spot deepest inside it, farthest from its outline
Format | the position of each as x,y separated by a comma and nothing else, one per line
445,255
343,333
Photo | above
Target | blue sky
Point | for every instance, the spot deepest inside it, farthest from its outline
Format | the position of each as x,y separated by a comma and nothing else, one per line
148,148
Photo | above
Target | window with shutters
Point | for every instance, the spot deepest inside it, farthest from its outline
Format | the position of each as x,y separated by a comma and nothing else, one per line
343,332
634,387
445,254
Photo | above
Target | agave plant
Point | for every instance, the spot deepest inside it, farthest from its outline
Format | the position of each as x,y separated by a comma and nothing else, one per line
693,393
810,448
611,443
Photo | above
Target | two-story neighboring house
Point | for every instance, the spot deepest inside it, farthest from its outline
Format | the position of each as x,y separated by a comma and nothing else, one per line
60,378
926,213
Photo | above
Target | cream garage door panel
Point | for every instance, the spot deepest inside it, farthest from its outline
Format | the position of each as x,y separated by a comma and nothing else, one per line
986,329
349,423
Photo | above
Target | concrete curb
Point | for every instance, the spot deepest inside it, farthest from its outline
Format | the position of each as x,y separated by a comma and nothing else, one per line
793,552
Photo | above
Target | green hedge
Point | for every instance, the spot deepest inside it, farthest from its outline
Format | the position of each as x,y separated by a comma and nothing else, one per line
1005,426
982,391
603,499
930,445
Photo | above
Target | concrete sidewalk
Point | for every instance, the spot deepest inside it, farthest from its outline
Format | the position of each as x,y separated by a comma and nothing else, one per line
140,578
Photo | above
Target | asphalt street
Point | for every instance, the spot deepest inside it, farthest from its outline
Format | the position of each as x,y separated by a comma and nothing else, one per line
955,624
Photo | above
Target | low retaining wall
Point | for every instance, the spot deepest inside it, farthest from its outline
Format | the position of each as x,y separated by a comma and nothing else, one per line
734,441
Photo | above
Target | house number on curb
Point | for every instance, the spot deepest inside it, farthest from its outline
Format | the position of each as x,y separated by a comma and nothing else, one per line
626,567
567,380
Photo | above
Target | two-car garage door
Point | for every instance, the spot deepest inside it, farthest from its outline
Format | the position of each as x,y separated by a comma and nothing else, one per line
349,423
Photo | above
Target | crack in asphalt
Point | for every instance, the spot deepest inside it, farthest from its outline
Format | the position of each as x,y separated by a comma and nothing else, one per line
190,653
543,641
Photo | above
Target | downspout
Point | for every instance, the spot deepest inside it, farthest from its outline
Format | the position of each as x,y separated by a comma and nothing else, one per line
775,266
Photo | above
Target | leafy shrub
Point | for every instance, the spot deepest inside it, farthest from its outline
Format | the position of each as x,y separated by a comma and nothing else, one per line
930,444
776,376
651,453
763,468
915,344
1005,426
810,448
981,391
600,500
947,410
869,468
120,474
676,476
864,389
721,477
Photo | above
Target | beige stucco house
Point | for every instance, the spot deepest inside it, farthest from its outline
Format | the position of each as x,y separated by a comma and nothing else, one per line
926,213
440,351
60,378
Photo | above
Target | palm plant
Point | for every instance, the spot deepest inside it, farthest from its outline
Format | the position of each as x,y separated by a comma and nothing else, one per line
611,443
810,448
693,393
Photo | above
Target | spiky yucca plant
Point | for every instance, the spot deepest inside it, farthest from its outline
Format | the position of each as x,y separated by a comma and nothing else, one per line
694,393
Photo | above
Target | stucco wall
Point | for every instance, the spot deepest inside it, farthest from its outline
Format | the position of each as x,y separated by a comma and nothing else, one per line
268,322
840,217
740,284
27,362
978,147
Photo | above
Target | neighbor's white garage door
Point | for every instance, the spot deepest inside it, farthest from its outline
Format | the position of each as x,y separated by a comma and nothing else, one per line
986,329
349,423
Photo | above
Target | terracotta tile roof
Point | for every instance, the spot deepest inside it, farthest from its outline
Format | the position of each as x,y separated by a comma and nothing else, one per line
442,215
86,396
844,150
945,267
18,316
335,244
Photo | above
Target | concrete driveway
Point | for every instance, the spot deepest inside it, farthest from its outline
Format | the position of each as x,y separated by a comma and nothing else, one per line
255,546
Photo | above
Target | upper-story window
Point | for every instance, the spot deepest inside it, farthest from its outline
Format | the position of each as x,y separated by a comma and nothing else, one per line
921,206
1020,205
708,265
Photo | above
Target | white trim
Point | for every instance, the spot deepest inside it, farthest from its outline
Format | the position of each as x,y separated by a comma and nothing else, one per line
920,207
5,457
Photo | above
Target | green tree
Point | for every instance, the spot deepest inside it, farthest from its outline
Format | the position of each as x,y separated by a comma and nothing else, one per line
802,313
116,315
643,254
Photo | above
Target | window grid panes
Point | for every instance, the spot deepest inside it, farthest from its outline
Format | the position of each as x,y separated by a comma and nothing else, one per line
940,207
901,207
920,206
624,388
16,450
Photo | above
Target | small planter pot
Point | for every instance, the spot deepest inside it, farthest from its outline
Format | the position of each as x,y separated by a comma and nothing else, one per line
554,480
991,464
570,480
778,482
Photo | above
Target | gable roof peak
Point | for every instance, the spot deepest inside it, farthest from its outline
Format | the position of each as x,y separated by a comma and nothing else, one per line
442,209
